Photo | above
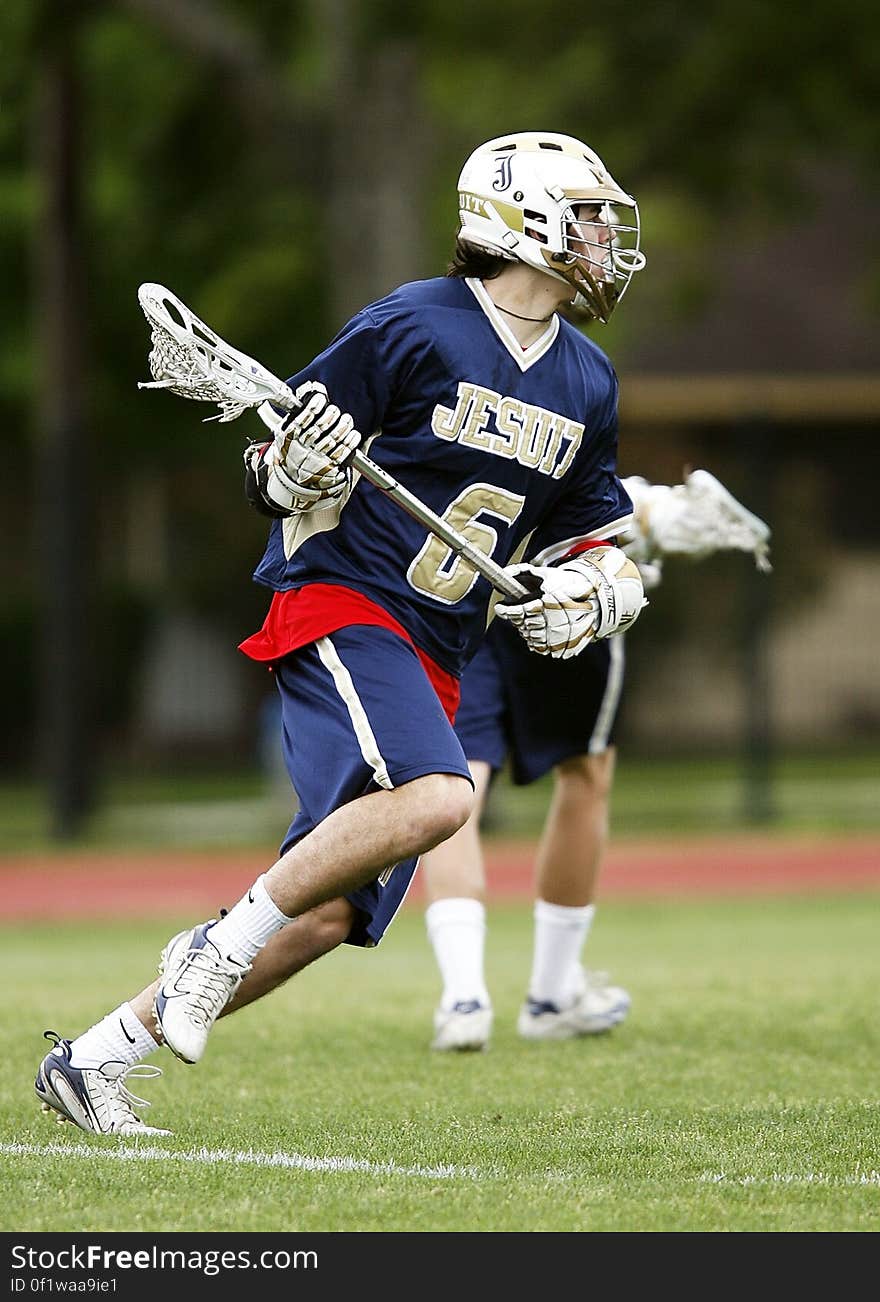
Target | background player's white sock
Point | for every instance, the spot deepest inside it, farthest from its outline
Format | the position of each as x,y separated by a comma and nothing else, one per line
118,1037
560,933
457,932
247,926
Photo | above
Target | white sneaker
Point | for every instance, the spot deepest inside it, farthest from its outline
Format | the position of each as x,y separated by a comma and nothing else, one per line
598,1007
464,1027
94,1098
197,982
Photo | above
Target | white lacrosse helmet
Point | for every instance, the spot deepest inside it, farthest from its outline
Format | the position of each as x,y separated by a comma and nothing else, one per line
520,197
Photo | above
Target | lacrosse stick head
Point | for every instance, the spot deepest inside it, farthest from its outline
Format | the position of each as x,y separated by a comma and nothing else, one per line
696,518
189,359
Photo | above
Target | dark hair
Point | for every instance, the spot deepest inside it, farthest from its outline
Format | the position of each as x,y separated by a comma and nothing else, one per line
470,260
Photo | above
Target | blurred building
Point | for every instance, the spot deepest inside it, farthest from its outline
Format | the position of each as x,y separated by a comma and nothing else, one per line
775,387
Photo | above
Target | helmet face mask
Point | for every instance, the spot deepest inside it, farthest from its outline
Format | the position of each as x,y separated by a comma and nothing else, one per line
548,200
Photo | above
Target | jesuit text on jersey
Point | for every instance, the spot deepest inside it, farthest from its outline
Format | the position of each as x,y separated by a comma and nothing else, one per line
507,427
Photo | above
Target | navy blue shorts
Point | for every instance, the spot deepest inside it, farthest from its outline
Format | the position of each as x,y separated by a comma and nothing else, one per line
359,714
534,710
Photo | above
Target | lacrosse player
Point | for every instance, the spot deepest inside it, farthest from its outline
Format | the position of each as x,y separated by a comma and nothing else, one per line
501,416
547,715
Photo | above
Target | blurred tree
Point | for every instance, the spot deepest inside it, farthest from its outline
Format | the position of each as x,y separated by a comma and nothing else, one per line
279,164
64,480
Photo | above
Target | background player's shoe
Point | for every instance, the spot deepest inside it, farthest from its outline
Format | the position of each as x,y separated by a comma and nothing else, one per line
597,1007
94,1098
196,983
465,1026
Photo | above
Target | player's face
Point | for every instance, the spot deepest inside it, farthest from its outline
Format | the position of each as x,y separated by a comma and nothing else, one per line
589,237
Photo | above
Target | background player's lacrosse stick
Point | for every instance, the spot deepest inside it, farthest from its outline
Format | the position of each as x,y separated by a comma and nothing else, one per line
695,518
189,359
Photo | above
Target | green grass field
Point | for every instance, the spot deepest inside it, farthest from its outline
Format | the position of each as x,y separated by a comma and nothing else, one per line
741,1094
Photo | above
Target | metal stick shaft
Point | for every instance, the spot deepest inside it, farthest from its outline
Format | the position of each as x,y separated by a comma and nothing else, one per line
476,558
457,543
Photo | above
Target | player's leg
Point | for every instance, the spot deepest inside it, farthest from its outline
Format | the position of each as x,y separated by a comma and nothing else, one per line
575,832
455,919
308,938
454,875
564,998
381,779
561,717
83,1079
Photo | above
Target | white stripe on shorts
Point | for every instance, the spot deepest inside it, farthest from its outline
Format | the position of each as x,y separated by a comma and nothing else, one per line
345,687
611,698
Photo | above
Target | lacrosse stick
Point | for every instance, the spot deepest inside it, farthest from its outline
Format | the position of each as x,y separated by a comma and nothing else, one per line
189,359
695,518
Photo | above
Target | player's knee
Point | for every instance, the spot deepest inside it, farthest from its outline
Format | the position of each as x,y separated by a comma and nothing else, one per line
459,803
445,801
331,924
591,776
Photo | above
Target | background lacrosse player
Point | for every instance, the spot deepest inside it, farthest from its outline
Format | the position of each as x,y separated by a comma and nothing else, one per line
543,715
502,418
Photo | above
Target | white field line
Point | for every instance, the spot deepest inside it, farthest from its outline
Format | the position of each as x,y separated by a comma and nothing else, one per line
302,1162
232,1157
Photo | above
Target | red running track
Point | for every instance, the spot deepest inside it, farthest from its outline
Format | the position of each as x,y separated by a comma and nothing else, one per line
197,883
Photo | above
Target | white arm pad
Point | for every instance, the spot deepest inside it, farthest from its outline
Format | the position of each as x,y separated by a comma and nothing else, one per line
576,603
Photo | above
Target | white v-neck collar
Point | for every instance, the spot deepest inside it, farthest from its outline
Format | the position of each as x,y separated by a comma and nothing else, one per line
524,357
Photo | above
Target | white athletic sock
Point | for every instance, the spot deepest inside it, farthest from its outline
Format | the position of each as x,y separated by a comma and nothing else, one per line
118,1037
457,932
247,926
560,933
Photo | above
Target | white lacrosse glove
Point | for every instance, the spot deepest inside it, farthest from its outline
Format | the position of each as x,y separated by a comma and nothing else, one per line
695,518
273,491
575,603
305,464
317,441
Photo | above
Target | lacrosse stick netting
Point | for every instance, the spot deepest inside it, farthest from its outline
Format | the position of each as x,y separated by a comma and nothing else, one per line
190,360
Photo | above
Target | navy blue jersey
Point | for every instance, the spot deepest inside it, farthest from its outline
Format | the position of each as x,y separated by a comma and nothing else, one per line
515,447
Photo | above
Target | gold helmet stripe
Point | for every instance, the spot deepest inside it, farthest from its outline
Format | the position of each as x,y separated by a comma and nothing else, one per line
599,193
